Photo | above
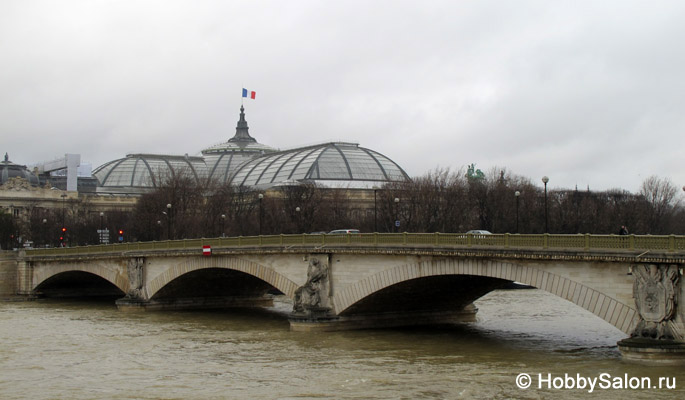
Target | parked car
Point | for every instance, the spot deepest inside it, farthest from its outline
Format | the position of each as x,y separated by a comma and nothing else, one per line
478,232
342,231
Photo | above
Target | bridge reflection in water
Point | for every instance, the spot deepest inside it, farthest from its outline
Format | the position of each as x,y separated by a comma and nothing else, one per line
378,280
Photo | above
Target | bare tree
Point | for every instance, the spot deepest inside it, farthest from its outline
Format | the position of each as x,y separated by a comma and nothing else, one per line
660,194
182,220
301,206
439,201
7,231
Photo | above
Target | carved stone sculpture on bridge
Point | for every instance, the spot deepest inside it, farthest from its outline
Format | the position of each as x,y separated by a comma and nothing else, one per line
654,291
135,278
314,294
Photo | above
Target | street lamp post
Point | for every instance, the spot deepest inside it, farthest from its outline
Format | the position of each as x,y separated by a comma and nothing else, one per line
545,179
101,233
64,197
397,212
63,228
223,222
517,194
260,197
168,218
45,241
375,211
159,229
297,211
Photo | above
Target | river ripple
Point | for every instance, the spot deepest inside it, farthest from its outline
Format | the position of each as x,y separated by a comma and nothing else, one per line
82,350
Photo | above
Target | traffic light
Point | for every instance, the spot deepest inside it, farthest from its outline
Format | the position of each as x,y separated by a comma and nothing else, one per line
121,235
62,235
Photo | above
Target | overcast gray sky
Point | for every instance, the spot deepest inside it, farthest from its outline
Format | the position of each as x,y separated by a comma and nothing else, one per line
586,92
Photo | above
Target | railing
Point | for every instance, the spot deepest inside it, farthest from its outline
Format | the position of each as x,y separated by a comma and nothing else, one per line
646,243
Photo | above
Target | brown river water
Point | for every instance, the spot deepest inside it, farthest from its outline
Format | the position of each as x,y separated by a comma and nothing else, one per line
56,349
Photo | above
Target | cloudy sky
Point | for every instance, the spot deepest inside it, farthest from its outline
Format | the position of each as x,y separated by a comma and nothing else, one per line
590,93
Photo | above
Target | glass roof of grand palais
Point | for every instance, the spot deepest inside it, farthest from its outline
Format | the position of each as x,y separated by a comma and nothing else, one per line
243,161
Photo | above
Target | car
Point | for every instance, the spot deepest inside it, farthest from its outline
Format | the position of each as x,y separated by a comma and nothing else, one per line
342,231
478,232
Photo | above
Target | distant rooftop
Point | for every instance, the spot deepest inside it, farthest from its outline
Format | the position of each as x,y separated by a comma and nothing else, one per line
333,161
9,170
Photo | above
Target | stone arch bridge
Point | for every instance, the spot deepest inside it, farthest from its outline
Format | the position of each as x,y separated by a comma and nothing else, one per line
377,280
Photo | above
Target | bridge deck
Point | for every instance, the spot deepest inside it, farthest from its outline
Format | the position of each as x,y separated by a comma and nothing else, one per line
647,248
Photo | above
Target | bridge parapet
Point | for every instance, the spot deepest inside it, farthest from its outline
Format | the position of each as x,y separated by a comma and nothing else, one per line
581,242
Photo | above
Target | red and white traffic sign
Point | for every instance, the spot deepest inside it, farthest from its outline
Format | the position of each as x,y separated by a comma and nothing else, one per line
206,250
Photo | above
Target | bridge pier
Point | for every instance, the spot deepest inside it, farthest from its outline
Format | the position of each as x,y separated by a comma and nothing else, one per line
323,321
205,296
313,309
131,304
659,337
652,351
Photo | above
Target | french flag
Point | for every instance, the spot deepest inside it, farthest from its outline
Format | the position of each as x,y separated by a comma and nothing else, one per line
247,93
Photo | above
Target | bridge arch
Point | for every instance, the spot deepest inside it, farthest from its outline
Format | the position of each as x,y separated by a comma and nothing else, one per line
108,273
609,309
266,274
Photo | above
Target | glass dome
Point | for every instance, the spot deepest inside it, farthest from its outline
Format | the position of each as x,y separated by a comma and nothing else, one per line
224,158
220,166
146,171
334,162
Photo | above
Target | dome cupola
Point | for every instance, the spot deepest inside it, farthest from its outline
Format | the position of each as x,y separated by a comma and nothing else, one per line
224,158
9,170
